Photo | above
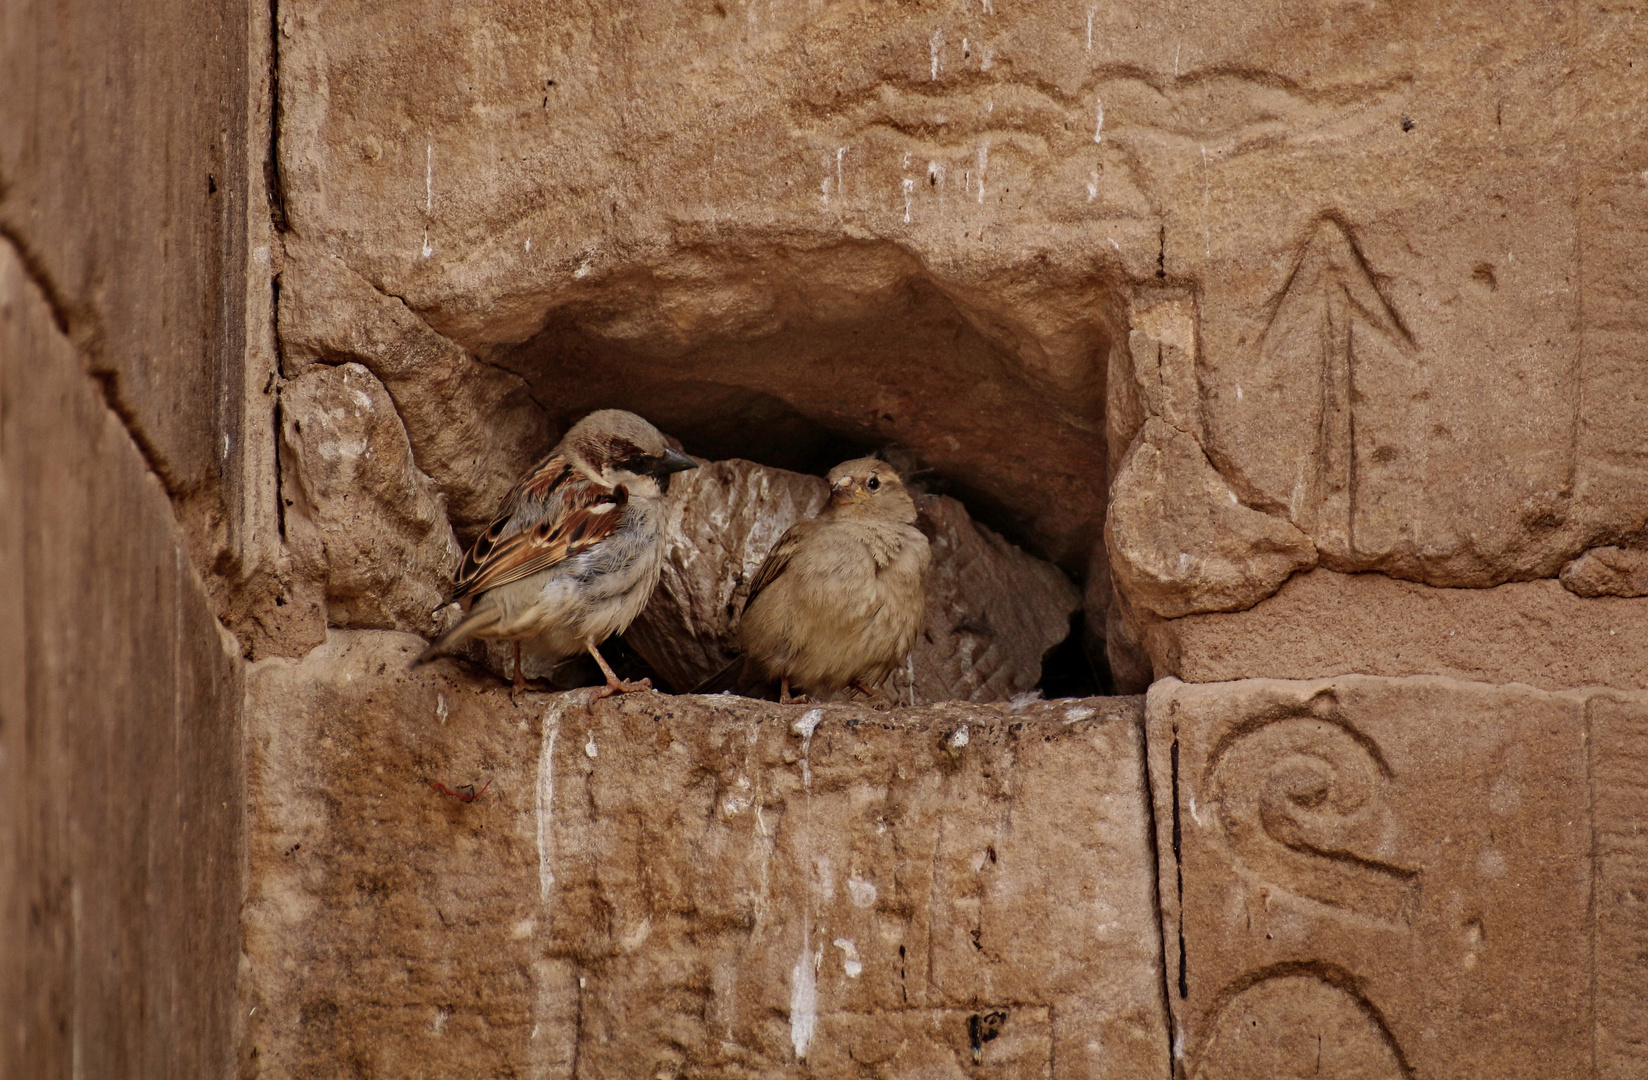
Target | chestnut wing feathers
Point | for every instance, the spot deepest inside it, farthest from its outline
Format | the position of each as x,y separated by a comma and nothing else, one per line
550,516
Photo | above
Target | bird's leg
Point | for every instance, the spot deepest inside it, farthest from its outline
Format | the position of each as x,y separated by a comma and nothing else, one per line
784,697
614,685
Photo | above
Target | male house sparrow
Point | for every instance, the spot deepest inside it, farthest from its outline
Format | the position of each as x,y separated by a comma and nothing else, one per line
575,550
839,600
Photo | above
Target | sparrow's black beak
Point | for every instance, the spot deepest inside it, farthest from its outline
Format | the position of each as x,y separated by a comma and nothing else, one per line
673,461
669,462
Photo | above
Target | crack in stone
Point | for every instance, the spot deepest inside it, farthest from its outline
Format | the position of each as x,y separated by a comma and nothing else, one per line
107,380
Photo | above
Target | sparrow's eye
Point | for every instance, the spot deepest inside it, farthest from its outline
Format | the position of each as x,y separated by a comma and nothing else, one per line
874,483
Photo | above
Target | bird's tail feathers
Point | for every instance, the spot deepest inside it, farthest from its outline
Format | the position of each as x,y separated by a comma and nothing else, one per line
476,620
728,678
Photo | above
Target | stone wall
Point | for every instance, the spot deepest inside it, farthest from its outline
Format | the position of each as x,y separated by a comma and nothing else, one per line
1300,344
123,189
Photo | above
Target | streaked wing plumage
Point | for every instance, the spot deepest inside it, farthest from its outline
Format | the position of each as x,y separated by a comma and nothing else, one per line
553,514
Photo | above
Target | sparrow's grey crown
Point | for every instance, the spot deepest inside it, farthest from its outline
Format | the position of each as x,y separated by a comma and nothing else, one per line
613,443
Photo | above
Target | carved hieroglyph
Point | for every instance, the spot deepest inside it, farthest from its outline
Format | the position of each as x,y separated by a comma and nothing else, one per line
1369,877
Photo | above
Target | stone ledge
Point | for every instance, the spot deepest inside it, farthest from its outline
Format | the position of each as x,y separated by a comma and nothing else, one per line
661,885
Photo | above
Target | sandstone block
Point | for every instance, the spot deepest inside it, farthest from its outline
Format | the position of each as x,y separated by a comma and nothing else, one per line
120,748
689,886
1322,623
993,611
360,514
1179,539
1393,877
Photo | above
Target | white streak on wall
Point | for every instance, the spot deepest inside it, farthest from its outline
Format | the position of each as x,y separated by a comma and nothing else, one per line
546,802
1098,131
428,196
803,1001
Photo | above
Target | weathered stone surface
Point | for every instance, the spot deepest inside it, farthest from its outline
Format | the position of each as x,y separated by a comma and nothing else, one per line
1181,542
1373,214
1618,726
1389,878
474,428
693,886
121,845
1323,623
1608,571
361,516
136,222
993,612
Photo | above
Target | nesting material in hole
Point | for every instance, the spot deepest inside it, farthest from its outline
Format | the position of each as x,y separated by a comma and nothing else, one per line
993,612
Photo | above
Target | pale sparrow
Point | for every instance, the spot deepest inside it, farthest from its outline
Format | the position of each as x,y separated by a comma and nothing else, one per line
574,551
839,600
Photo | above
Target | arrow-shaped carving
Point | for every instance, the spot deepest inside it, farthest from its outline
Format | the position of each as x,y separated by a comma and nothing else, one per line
1328,321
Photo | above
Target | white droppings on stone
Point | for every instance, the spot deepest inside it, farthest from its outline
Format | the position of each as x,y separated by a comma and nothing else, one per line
441,711
1024,700
850,961
960,737
808,723
863,892
1077,713
1098,131
590,749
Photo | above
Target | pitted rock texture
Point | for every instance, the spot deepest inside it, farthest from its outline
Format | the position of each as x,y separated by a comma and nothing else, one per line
360,515
1393,877
993,612
690,886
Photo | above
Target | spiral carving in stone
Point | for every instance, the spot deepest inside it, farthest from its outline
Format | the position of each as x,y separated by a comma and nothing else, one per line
1303,803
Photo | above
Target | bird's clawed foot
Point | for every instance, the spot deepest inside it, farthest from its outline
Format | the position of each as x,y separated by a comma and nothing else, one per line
614,685
784,697
621,686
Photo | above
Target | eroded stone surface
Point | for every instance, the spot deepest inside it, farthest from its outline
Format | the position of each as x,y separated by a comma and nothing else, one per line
1322,623
691,885
1181,542
993,612
1608,571
474,428
360,515
1392,877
